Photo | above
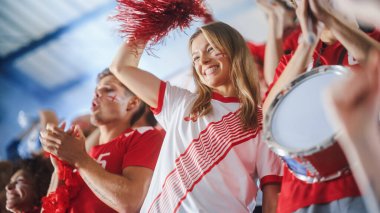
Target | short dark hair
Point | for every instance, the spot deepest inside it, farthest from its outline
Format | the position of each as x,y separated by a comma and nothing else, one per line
141,110
144,111
106,72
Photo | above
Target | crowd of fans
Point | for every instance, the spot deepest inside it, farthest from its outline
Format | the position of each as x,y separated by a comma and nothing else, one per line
213,152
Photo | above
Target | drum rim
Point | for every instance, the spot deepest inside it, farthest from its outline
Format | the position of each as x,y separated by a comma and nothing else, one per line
316,179
269,138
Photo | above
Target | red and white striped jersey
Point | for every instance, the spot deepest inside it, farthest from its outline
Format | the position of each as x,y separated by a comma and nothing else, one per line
208,164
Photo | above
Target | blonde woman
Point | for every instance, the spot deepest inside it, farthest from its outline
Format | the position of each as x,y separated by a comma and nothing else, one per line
213,153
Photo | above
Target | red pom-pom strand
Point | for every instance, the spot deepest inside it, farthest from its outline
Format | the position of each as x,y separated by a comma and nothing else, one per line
152,20
69,185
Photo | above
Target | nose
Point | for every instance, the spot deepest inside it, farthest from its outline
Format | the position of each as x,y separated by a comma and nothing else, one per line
204,58
10,186
97,94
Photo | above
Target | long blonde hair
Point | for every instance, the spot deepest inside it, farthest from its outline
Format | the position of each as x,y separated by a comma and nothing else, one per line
243,73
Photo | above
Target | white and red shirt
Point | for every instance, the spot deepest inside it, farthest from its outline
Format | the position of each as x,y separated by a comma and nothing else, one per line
135,147
209,164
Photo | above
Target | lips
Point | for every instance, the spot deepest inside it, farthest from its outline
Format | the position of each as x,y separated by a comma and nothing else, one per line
211,70
11,196
95,104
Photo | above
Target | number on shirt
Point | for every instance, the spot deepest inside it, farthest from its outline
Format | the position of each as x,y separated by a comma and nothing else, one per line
101,161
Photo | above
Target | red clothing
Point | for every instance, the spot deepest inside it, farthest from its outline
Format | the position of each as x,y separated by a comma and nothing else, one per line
296,194
135,147
258,53
290,43
326,54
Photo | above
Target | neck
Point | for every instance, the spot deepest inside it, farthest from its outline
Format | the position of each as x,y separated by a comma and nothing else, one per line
226,91
141,122
111,131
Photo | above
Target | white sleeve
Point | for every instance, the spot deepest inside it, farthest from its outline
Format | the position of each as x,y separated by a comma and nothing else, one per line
268,164
172,101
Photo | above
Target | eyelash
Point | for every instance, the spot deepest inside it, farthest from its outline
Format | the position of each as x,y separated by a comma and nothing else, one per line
209,50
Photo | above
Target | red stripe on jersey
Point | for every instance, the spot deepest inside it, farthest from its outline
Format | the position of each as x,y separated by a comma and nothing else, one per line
160,98
211,147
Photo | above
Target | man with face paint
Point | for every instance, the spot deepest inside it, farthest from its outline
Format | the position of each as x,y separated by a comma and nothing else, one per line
337,40
118,169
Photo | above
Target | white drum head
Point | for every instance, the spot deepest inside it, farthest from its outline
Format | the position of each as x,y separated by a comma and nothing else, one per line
298,119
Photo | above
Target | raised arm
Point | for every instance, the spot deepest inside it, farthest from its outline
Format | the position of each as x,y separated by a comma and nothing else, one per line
299,60
124,66
355,41
273,49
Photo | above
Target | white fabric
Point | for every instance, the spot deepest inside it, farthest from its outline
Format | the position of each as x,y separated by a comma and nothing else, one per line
207,165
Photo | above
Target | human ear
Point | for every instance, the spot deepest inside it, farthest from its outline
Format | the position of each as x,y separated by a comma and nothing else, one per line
133,103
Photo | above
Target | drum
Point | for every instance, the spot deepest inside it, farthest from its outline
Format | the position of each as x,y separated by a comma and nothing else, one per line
297,127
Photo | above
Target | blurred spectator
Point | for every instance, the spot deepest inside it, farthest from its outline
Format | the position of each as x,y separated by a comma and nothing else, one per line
341,43
6,171
27,144
84,122
283,24
28,185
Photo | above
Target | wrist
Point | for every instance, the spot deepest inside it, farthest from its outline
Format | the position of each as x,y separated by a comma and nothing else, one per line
83,161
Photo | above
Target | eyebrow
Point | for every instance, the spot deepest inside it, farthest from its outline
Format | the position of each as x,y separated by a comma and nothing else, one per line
207,45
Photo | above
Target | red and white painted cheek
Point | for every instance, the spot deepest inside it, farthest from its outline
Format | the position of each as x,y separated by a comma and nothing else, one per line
113,97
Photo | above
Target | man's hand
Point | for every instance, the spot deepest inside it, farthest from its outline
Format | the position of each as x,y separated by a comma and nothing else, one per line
68,146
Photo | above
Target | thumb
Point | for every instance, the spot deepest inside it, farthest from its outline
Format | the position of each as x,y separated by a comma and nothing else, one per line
62,126
78,132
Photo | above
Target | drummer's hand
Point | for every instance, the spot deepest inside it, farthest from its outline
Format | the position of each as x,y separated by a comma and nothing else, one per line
276,14
310,26
355,103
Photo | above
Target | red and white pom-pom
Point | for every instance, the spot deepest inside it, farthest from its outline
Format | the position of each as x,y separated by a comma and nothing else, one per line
153,19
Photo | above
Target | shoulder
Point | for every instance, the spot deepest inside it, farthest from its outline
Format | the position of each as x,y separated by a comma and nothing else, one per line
148,133
144,129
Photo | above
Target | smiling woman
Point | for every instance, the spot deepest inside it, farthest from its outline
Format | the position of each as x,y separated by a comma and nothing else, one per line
28,185
213,152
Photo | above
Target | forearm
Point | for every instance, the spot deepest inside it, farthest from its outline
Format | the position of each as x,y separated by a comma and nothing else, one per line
353,39
270,197
273,49
124,67
116,191
129,54
295,67
53,182
362,154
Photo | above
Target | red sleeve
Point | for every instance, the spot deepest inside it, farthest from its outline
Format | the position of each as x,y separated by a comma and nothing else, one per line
270,179
160,99
290,43
258,51
375,34
145,149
